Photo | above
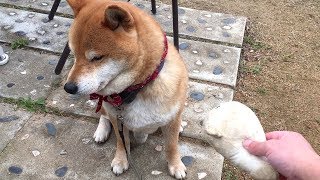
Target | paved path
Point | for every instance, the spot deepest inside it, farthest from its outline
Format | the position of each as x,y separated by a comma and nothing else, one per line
209,44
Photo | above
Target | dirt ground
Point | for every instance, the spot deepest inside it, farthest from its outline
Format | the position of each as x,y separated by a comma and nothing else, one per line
279,75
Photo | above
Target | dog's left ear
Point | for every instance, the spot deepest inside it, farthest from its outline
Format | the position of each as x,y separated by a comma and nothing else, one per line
116,16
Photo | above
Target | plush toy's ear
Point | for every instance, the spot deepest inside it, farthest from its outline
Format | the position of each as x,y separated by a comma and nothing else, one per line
76,5
116,16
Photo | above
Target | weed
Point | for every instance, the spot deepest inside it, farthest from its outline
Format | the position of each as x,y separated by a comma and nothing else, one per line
32,105
256,69
230,176
19,43
262,91
253,43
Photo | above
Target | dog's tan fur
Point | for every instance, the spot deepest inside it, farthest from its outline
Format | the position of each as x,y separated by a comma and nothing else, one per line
134,43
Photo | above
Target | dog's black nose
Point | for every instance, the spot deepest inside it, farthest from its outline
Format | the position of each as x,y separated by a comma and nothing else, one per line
71,88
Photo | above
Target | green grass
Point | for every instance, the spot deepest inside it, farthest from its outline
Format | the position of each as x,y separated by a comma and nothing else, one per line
230,176
256,69
256,45
19,43
28,104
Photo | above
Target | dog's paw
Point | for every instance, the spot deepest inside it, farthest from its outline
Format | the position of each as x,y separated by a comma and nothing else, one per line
102,133
178,170
119,166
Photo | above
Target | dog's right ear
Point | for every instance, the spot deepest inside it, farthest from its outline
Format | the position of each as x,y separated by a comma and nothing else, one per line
76,5
116,16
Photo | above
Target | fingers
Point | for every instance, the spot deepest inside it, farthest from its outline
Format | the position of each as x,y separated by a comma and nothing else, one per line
256,148
275,134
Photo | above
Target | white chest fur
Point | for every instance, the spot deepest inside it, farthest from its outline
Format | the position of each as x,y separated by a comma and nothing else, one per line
144,115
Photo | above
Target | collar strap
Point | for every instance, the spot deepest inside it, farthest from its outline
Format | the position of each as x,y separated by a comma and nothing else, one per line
130,93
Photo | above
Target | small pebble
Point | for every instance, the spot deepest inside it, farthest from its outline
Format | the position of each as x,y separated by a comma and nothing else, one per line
195,52
44,4
169,17
51,129
187,160
180,129
7,27
12,13
156,172
198,110
199,63
54,102
60,172
15,170
32,38
208,15
217,70
31,15
186,103
209,28
41,32
33,92
55,25
184,21
9,85
39,77
9,118
86,140
184,123
183,46
63,152
197,96
202,175
91,103
195,71
46,42
23,72
46,86
226,51
251,51
26,136
36,153
71,105
226,62
158,148
226,27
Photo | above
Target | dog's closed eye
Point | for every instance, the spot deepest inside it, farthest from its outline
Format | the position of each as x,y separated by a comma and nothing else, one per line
97,58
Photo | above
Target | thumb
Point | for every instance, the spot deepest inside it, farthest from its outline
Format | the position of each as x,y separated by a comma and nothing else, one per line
255,148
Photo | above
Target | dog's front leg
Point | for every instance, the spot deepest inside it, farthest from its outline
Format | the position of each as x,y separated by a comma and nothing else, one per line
103,129
171,134
120,162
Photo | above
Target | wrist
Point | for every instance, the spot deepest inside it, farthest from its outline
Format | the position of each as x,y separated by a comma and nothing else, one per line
311,170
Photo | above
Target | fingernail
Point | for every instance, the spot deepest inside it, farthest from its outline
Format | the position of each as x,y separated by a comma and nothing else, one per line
246,143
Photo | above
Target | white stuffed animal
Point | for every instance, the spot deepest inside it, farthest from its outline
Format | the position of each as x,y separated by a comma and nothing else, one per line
230,124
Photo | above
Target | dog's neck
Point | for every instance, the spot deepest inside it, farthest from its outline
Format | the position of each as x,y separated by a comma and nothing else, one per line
130,93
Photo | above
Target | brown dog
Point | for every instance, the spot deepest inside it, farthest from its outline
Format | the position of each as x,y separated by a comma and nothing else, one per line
118,48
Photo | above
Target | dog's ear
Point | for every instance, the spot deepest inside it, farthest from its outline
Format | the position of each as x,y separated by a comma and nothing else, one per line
76,5
116,16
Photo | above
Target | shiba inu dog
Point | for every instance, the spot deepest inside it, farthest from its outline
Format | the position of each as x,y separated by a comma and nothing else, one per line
123,59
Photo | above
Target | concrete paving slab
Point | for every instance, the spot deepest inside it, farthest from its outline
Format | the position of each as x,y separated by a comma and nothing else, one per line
201,99
11,121
205,61
213,26
39,155
210,62
27,74
17,24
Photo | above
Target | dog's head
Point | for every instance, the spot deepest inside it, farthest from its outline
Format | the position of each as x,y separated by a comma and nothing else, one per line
104,40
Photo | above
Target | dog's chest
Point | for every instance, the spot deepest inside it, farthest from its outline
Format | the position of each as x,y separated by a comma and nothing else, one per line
143,115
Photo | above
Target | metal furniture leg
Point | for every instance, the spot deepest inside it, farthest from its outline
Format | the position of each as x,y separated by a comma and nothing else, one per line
153,7
175,23
63,59
54,9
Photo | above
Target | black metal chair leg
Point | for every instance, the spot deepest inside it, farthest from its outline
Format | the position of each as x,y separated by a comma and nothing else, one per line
63,59
153,7
175,23
54,9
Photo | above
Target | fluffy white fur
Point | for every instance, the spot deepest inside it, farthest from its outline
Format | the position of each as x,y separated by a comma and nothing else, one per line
230,124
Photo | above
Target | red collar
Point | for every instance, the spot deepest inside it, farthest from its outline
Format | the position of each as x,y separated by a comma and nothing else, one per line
129,94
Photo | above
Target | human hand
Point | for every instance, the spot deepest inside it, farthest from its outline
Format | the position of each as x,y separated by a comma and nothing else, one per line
289,153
